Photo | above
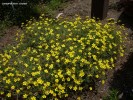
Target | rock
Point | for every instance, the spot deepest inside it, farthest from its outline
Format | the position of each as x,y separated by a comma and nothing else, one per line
120,96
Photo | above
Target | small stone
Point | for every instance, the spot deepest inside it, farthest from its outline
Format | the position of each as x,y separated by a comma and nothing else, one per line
120,96
132,90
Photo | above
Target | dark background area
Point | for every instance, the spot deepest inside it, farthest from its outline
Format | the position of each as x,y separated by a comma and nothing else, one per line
20,13
123,78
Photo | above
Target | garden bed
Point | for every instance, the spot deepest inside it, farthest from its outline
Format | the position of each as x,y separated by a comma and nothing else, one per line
81,8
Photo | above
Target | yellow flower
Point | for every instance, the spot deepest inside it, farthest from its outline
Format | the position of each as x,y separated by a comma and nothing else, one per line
70,87
68,79
51,91
35,83
26,65
65,26
69,30
63,45
81,73
80,51
46,71
44,96
67,61
121,54
56,99
103,81
80,88
58,60
73,76
66,95
46,65
39,68
68,72
111,59
25,96
78,98
75,88
17,91
56,80
36,59
90,88
51,66
39,28
71,54
77,81
1,71
33,98
54,94
71,48
40,46
10,74
1,92
48,83
28,87
12,87
94,57
8,81
8,95
61,87
97,76
24,83
40,81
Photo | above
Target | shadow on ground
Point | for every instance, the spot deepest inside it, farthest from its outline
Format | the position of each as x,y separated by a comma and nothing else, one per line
126,19
123,78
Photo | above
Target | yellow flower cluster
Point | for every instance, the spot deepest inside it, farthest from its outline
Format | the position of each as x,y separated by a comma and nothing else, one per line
53,57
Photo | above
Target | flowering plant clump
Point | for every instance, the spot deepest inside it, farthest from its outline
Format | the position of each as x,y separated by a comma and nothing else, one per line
53,57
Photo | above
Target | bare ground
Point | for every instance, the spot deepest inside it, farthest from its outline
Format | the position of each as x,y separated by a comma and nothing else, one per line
8,36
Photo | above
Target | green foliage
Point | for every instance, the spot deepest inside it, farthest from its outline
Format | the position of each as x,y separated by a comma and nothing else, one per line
54,4
48,11
20,13
113,95
52,58
34,8
51,6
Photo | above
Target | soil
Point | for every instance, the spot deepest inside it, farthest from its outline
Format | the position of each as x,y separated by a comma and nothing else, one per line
119,78
8,36
80,7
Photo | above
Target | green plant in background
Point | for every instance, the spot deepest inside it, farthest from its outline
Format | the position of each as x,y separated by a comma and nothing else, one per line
20,13
44,8
52,58
48,11
4,24
113,95
54,4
